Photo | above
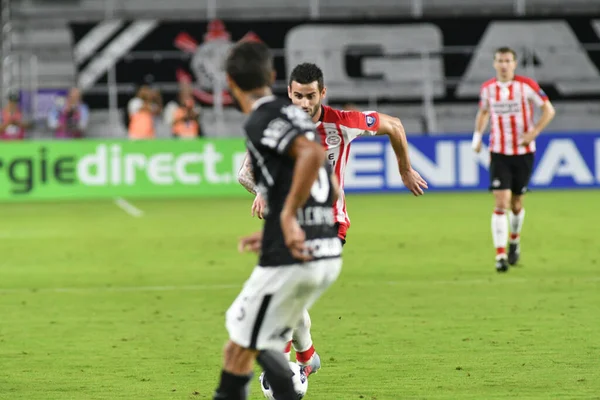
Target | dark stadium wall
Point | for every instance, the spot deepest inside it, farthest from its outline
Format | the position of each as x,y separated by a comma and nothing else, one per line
360,60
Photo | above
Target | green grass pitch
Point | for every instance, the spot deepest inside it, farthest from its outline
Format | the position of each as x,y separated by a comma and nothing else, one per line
96,304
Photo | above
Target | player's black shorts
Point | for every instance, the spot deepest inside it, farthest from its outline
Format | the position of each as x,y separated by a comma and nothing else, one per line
511,172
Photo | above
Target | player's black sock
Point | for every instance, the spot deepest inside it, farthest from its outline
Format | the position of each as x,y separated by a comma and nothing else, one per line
232,387
278,374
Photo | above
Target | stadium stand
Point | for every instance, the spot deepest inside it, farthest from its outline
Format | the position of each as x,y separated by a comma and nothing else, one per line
42,50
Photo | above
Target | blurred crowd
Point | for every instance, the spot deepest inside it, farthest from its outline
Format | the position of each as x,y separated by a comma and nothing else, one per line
182,115
68,116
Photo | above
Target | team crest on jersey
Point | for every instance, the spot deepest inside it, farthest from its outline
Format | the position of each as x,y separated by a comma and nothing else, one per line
333,139
370,120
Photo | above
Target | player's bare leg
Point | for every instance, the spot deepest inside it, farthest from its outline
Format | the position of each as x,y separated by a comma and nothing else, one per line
500,228
515,219
236,373
306,356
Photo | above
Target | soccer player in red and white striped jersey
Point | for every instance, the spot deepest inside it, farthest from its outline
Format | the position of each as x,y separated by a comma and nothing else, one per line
507,101
337,130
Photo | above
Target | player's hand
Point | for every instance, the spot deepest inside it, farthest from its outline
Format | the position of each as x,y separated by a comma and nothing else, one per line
413,182
251,243
528,138
477,147
258,206
294,236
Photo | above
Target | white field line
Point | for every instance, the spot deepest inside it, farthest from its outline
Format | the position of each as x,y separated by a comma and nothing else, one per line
117,289
128,207
175,288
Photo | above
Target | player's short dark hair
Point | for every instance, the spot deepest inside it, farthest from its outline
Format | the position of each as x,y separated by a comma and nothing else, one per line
250,65
306,73
504,50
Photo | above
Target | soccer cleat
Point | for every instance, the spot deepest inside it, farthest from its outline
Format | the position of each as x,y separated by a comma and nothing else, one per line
514,250
501,264
312,366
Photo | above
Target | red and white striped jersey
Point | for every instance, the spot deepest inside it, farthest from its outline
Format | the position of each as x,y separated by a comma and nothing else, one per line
337,130
511,112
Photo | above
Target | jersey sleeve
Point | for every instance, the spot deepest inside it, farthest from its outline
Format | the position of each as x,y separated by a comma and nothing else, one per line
284,128
367,122
359,123
535,93
484,98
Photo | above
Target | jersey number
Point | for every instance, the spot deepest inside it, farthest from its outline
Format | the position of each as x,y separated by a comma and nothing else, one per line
320,189
274,132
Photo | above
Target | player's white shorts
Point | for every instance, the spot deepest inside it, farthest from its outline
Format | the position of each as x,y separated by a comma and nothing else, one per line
273,299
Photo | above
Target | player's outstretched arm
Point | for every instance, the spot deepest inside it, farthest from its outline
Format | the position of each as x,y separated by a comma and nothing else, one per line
245,175
548,114
309,158
392,127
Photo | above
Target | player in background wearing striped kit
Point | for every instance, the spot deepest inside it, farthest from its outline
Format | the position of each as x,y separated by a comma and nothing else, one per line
337,129
507,101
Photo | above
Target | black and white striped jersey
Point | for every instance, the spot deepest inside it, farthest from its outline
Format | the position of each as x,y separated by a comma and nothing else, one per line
271,129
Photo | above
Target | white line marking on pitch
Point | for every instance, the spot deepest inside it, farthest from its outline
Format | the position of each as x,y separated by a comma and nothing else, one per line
116,289
124,289
128,207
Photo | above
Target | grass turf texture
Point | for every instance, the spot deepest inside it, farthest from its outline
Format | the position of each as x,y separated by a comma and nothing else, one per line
95,304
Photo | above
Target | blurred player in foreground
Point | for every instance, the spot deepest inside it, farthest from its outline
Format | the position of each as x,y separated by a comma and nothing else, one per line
508,99
300,256
336,130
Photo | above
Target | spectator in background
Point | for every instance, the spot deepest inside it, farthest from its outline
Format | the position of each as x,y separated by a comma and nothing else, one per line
12,126
172,106
186,123
69,118
142,111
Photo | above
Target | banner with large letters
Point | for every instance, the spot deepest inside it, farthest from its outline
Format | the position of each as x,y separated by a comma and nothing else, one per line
361,59
92,169
448,163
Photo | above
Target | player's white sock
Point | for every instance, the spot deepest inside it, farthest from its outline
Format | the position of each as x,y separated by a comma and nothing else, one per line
499,232
302,339
516,223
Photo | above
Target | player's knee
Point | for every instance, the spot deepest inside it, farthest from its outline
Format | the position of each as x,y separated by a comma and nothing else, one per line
502,205
502,200
516,204
238,360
